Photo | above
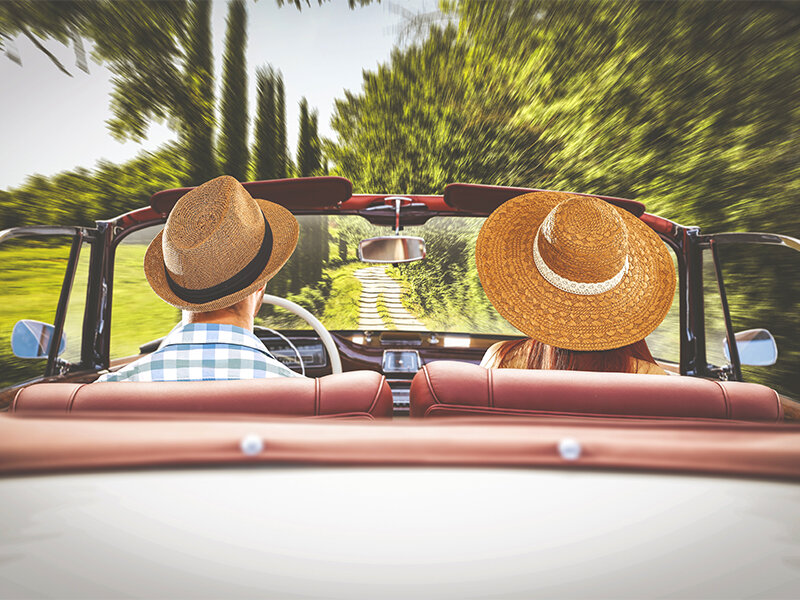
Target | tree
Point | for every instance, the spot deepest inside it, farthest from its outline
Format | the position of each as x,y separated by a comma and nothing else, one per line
233,135
424,120
80,196
198,122
139,40
126,30
308,150
159,53
283,163
265,152
305,266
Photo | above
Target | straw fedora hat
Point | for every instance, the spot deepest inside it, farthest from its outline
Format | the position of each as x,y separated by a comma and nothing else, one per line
574,271
219,245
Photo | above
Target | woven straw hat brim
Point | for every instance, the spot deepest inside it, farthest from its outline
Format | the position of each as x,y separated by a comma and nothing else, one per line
623,315
285,232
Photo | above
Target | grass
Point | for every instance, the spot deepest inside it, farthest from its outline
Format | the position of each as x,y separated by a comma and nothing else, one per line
137,314
31,277
341,309
338,309
475,316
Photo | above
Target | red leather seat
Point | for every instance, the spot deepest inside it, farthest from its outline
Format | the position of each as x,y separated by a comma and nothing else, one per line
446,388
355,394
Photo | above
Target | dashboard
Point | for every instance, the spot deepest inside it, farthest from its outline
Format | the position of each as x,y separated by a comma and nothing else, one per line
396,354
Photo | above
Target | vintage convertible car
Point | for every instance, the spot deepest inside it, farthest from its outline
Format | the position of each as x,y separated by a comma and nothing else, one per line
398,467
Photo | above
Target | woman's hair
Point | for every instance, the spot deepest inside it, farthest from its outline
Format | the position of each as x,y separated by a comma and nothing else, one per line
532,354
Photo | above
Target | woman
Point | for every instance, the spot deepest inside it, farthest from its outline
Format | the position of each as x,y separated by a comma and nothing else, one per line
587,281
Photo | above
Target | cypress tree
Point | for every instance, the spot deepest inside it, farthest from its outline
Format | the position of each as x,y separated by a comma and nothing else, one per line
300,262
315,240
315,163
322,248
197,127
280,124
233,142
308,148
266,133
303,141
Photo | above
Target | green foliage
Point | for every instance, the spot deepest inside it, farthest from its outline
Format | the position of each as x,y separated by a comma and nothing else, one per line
444,291
266,134
425,120
308,148
198,122
138,315
334,299
129,35
233,133
141,42
159,53
312,250
284,162
688,106
31,280
270,133
341,309
81,197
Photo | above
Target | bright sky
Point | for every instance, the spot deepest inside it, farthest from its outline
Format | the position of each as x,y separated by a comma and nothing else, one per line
51,122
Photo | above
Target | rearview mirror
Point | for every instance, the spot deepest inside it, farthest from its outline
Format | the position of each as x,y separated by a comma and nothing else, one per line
32,339
393,249
756,347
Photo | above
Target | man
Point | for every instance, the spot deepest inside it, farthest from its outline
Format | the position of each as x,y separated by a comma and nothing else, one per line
218,249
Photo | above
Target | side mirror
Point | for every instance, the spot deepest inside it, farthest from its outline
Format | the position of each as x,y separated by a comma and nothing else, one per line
392,249
756,348
32,339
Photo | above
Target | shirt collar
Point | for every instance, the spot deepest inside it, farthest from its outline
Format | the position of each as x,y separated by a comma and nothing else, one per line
212,333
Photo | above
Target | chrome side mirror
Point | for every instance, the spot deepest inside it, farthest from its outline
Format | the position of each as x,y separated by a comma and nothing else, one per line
756,348
32,339
391,249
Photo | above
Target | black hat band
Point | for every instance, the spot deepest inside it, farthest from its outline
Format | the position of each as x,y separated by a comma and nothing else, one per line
238,282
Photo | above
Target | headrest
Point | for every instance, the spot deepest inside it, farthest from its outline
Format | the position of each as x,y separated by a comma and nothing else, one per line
444,388
357,392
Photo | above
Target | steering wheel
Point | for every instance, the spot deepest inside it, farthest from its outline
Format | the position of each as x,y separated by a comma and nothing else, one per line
316,325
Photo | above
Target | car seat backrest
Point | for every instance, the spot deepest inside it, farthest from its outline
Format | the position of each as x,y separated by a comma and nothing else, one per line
357,393
445,388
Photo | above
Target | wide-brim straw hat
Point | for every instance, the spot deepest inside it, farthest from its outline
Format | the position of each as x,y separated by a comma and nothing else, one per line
219,245
574,271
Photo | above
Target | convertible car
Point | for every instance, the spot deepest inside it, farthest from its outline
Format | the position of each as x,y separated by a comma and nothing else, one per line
398,466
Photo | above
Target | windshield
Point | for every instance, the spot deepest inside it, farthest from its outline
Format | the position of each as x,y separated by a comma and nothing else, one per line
441,293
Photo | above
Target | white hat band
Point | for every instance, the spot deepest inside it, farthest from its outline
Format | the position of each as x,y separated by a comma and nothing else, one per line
575,287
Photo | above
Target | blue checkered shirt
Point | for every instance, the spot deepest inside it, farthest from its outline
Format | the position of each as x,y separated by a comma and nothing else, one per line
204,351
